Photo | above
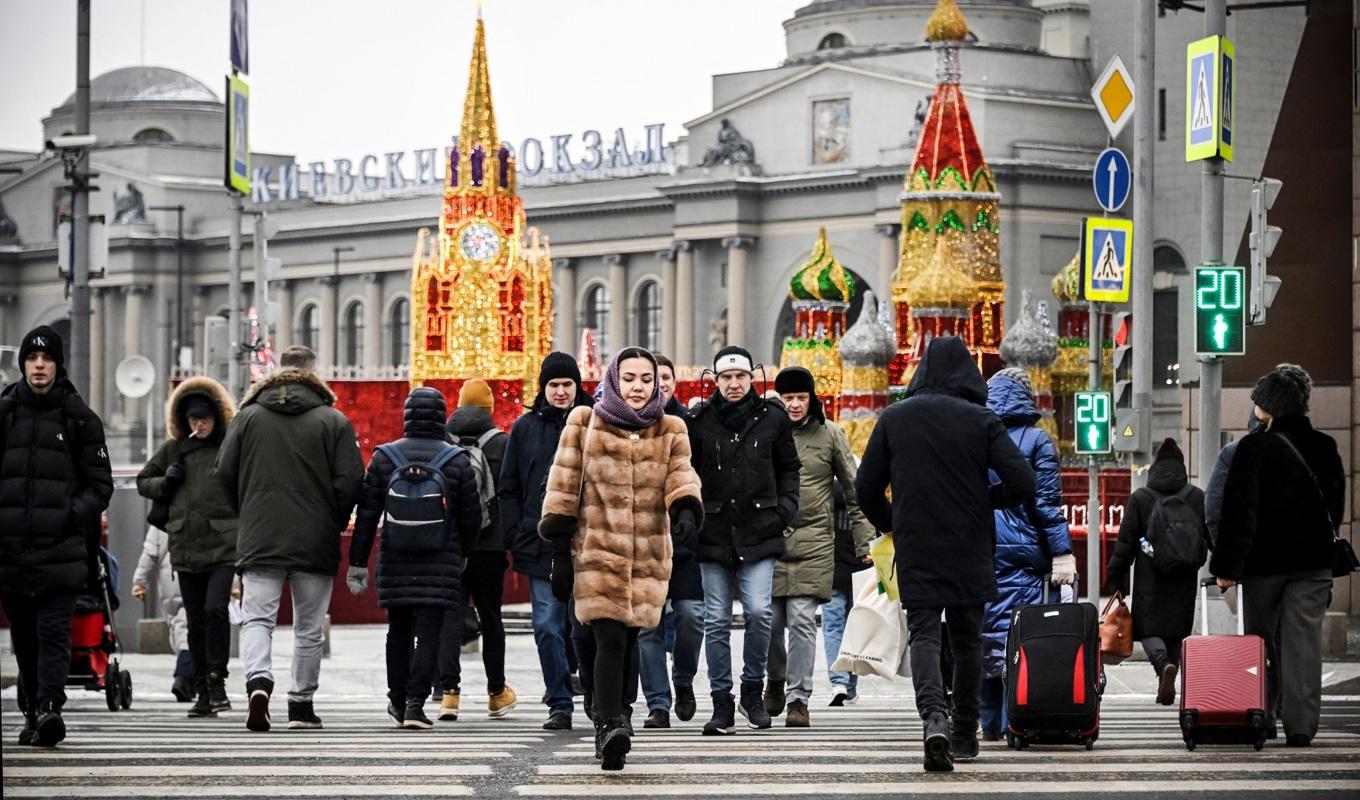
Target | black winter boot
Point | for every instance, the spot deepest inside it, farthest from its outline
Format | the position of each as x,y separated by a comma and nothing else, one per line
775,698
217,692
685,705
30,731
183,688
202,706
48,727
724,716
938,757
615,745
753,706
599,740
301,715
258,691
414,716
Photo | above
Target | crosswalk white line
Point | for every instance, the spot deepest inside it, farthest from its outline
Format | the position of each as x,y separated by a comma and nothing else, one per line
991,767
350,791
236,770
624,788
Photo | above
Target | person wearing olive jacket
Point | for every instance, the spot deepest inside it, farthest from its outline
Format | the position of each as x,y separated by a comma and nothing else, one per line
201,528
290,466
803,576
742,447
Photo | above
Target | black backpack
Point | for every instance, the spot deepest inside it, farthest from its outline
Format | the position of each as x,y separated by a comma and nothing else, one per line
415,511
1174,533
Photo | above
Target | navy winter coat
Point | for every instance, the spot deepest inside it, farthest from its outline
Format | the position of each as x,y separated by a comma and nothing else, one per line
1028,536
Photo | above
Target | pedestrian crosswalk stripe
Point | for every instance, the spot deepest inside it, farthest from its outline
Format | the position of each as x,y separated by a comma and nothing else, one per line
230,770
989,766
349,791
934,784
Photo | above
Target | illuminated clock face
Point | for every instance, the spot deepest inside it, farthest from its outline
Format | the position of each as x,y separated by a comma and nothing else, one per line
480,242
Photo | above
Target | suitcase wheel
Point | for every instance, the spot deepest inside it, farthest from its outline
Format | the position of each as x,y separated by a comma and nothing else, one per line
1089,743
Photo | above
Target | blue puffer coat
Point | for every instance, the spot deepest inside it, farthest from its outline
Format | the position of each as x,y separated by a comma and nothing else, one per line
1027,536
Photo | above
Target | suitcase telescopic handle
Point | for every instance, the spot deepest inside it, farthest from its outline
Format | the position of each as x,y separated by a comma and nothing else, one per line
1204,585
1076,590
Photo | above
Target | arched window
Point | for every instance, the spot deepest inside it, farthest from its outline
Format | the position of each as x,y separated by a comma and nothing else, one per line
832,41
352,350
1166,357
152,135
595,314
648,333
308,332
399,332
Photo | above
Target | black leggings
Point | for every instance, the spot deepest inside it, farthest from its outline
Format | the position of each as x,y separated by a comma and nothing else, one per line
205,596
615,659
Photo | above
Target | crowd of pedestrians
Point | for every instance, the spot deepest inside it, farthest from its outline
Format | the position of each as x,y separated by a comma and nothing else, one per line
638,522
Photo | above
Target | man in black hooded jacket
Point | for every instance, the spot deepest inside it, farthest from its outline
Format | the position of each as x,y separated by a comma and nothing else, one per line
55,482
934,450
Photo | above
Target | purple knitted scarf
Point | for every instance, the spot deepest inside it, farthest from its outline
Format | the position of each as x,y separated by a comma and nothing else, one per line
612,408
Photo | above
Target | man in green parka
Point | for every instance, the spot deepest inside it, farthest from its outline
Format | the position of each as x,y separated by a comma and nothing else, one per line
803,575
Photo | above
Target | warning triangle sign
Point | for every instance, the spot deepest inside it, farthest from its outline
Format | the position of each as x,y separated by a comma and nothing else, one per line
1202,115
1108,267
1128,432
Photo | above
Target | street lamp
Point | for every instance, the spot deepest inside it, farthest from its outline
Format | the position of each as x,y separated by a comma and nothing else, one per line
179,278
335,301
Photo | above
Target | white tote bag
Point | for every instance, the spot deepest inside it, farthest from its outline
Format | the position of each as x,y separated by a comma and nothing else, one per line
875,639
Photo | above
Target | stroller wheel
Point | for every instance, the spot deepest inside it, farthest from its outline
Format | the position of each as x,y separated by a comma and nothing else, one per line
113,687
125,689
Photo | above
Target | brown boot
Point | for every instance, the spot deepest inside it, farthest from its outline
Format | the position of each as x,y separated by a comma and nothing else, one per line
797,715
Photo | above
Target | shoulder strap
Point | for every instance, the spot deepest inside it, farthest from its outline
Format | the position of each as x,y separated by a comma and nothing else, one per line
445,456
394,455
487,437
1313,476
1184,491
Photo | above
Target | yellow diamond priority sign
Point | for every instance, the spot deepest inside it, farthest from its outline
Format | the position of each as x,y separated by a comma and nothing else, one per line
1113,95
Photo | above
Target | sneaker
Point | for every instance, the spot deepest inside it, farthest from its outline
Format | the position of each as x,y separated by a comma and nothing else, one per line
301,715
217,693
685,705
395,712
257,703
448,706
659,718
202,706
557,722
937,755
724,720
615,745
48,727
1166,687
963,745
774,698
839,697
502,703
753,707
182,689
798,715
414,715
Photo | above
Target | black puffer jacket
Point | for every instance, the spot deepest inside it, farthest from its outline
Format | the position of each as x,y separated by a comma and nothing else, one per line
55,482
750,473
419,579
1275,517
935,449
524,482
465,427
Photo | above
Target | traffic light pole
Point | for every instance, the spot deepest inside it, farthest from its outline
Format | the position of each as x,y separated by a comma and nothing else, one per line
1211,252
1094,528
1141,333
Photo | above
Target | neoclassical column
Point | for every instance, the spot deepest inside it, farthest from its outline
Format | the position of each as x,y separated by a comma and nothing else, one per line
98,342
737,295
889,248
372,320
328,355
684,304
618,302
133,296
667,258
564,306
198,321
283,326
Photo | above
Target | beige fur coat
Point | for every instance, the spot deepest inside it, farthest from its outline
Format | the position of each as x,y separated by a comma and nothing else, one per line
634,482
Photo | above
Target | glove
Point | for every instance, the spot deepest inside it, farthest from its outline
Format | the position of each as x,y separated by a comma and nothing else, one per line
357,580
174,474
561,577
1065,569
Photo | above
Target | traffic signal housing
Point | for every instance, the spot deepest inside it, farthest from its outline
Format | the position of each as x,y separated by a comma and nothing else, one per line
1130,433
1261,242
1220,310
1093,420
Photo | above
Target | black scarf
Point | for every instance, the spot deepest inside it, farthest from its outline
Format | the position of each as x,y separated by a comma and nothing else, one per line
734,415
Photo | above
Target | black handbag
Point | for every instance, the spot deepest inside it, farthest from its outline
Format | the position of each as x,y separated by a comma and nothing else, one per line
1344,561
159,515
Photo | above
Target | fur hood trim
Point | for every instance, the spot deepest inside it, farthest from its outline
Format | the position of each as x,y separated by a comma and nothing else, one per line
290,375
201,385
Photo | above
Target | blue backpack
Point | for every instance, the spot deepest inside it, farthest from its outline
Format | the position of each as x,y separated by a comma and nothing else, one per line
415,513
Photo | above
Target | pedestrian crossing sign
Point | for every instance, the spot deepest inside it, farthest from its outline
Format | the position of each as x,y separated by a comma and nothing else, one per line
1209,99
1107,260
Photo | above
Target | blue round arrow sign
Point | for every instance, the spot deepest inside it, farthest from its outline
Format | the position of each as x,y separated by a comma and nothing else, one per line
1112,178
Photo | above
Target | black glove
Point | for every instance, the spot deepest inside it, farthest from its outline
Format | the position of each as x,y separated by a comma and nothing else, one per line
174,474
562,576
684,536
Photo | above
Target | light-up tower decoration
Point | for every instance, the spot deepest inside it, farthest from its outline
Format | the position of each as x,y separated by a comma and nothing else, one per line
865,351
1029,345
821,291
481,288
949,222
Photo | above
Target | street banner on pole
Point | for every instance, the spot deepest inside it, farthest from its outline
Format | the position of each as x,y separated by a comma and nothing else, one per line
1107,260
237,177
1210,83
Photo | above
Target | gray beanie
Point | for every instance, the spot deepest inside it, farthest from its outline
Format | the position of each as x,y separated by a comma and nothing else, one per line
1015,374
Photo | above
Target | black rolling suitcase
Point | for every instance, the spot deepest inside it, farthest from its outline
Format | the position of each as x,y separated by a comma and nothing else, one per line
1053,679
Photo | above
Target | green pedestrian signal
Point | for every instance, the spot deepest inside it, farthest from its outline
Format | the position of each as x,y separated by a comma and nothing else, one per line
1220,311
1093,423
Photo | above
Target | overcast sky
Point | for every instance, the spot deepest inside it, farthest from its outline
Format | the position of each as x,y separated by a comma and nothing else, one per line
345,77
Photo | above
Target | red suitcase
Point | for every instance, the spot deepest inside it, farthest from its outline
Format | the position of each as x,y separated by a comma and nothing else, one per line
1223,684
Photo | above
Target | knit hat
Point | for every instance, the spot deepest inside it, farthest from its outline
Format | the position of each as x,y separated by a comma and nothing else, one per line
556,366
197,405
1168,451
1014,374
732,357
476,392
1284,391
45,339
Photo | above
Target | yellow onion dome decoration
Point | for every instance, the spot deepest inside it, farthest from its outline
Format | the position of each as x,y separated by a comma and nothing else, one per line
946,24
1066,284
822,277
940,284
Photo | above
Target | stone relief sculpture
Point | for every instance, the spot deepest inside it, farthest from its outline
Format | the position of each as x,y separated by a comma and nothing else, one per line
130,207
732,148
717,332
918,122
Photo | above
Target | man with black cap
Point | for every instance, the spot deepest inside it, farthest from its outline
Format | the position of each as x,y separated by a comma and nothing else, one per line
742,446
804,574
55,483
523,483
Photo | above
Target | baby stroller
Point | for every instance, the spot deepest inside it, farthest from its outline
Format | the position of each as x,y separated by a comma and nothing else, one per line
94,642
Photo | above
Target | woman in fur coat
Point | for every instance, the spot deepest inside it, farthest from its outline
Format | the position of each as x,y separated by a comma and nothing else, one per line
620,487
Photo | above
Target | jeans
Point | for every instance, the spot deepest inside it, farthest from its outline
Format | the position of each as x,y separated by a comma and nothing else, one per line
550,637
40,629
1295,604
754,581
834,614
965,642
992,705
689,638
205,596
793,665
261,590
483,581
584,640
615,659
1162,651
413,634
